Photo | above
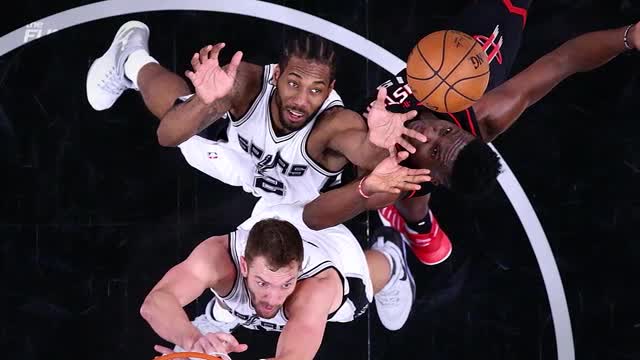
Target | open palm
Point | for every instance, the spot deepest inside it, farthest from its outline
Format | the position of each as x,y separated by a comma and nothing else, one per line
386,129
391,177
211,81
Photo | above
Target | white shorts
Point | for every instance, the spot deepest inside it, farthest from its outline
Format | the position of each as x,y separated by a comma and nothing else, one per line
218,159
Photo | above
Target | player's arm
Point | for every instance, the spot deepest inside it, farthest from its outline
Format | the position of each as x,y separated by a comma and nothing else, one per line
346,133
307,311
378,189
343,204
163,306
218,90
498,109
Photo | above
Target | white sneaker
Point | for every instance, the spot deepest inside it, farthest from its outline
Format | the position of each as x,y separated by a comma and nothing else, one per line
106,80
395,300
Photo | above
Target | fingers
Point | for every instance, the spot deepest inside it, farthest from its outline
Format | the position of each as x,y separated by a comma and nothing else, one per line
418,171
204,53
195,80
418,179
410,115
209,52
382,95
405,144
393,151
408,186
415,135
163,350
241,348
191,75
207,346
195,62
401,156
232,69
215,51
232,345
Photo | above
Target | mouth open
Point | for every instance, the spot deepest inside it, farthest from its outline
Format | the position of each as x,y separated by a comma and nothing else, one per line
295,115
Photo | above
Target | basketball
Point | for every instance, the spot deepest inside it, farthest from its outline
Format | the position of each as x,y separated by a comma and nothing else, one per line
447,71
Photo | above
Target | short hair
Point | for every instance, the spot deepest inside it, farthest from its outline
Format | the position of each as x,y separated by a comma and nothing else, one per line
277,241
310,47
475,171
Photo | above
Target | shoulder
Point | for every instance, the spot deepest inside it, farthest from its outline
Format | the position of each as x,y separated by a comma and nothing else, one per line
210,256
340,118
249,75
321,293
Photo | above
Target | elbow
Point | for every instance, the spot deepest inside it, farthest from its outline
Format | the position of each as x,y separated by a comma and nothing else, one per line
146,310
315,226
165,139
312,222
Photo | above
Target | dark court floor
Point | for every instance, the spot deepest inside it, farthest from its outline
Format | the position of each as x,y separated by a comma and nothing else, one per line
94,211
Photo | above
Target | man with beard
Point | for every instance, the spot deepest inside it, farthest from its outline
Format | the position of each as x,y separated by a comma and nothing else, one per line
288,135
275,274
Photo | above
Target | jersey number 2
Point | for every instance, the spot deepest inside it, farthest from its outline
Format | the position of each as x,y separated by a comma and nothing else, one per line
269,184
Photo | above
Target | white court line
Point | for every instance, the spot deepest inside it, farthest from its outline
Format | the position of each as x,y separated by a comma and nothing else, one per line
356,43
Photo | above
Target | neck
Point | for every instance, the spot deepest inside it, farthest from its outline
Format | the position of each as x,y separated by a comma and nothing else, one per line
276,120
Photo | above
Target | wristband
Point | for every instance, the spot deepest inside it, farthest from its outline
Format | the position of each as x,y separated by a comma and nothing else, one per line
360,189
626,39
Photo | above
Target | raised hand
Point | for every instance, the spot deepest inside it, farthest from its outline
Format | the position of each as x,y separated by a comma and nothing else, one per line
211,81
386,129
391,177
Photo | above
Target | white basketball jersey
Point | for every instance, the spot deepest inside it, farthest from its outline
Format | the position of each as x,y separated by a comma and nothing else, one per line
283,172
334,248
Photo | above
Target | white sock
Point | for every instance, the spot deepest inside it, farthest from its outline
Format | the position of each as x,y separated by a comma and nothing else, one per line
394,271
135,61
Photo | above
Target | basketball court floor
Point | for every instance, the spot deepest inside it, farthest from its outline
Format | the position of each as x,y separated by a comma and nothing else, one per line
94,211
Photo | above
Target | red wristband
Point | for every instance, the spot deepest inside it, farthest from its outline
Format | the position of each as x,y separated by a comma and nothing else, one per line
360,189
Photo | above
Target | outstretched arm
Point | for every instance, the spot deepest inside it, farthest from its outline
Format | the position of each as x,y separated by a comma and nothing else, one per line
378,189
218,90
163,306
499,108
365,145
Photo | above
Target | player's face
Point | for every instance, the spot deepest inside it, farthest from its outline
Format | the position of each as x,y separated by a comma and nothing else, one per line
269,288
444,142
302,87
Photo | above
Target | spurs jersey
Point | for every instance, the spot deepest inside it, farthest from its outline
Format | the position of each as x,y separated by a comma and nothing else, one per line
281,168
333,248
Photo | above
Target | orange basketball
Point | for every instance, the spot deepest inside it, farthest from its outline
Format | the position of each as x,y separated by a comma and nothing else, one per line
448,71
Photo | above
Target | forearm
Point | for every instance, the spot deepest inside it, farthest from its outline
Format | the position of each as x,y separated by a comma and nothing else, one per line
343,204
368,156
168,319
189,118
299,342
592,50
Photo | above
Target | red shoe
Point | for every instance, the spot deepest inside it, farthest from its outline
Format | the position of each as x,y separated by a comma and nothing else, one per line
431,248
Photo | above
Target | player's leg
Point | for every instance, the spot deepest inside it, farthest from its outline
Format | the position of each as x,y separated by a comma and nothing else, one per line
413,219
127,65
393,285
